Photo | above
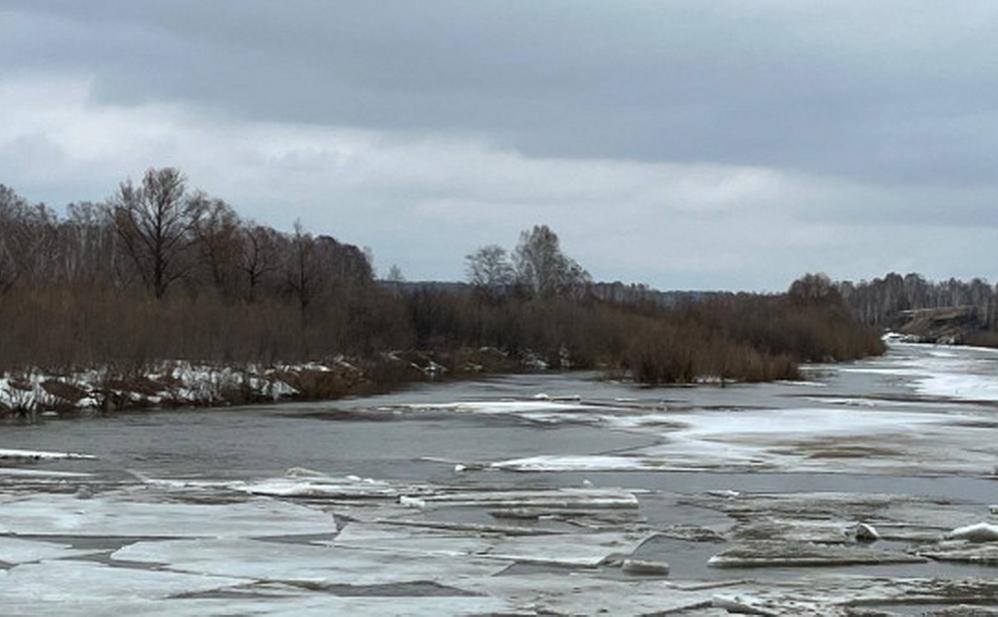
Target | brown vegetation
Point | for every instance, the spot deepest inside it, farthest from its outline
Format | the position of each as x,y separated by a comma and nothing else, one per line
161,272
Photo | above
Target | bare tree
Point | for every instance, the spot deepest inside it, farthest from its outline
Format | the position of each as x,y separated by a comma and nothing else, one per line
395,274
89,244
302,270
542,267
27,236
258,257
489,268
217,231
155,222
815,289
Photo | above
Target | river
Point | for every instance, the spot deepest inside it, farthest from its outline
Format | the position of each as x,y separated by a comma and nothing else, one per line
523,494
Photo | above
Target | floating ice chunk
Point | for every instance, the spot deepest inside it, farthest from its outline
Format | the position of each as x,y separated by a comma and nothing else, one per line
506,407
645,567
866,533
583,462
540,547
561,549
69,582
42,473
981,532
412,502
516,513
962,551
303,472
320,487
592,498
577,550
793,530
15,550
726,493
585,594
802,383
119,514
801,554
477,528
239,601
37,455
841,596
331,565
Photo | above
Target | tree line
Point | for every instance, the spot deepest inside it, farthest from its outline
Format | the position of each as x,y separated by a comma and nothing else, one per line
163,271
881,301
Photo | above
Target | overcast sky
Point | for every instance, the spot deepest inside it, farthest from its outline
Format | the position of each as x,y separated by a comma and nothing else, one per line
700,144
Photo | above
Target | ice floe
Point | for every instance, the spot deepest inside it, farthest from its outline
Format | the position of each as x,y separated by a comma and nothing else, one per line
128,513
16,550
70,582
328,565
979,532
562,549
7,454
548,498
769,553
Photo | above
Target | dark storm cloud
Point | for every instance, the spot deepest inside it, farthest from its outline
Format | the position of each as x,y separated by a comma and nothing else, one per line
888,92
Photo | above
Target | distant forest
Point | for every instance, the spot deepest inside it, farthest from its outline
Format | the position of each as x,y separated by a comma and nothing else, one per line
881,301
161,271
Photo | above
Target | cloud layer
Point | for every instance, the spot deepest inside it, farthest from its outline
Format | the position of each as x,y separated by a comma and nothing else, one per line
695,144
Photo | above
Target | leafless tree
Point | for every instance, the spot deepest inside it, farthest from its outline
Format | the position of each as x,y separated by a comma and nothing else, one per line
27,236
542,267
156,222
217,231
258,257
395,274
302,270
89,245
489,268
814,289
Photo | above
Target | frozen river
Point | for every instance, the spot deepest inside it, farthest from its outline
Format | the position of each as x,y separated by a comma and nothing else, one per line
530,494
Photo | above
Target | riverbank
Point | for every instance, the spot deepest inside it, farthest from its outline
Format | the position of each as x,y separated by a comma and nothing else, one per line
29,394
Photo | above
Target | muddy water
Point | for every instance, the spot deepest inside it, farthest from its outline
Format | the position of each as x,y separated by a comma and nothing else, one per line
831,433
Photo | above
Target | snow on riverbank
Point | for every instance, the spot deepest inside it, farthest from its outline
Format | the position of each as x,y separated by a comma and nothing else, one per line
168,384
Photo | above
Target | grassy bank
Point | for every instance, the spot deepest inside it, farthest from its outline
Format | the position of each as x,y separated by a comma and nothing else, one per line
201,349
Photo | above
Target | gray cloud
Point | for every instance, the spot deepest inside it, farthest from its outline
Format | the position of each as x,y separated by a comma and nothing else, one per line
875,121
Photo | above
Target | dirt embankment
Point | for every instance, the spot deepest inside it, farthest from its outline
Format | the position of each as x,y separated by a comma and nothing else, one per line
962,325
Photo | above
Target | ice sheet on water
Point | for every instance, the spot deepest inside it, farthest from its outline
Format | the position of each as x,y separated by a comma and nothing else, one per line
965,386
770,553
587,594
517,407
16,472
134,514
16,550
562,549
320,486
583,498
303,604
256,559
839,596
583,462
39,455
69,582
